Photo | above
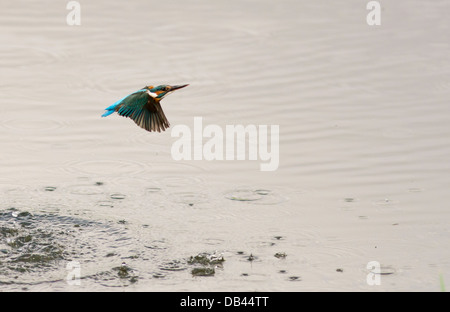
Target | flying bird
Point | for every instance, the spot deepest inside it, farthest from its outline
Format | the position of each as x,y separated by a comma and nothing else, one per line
144,107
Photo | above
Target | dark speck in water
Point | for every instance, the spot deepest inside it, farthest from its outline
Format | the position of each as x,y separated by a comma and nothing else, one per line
280,255
125,272
118,196
262,192
203,272
206,259
158,275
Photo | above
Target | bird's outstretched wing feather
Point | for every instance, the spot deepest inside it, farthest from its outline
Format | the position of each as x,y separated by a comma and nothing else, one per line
144,110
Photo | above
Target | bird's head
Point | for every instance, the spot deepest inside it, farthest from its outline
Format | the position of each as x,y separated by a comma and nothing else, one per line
159,92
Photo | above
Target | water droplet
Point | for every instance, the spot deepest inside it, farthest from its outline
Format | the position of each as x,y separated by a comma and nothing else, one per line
117,196
153,189
386,203
105,203
415,190
262,192
243,195
257,197
280,255
189,198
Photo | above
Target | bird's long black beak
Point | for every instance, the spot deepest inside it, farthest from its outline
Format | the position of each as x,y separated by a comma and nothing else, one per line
178,87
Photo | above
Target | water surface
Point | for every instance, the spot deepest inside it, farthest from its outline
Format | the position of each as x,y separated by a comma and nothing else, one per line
364,124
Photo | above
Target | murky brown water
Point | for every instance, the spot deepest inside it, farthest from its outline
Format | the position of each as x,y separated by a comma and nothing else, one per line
364,126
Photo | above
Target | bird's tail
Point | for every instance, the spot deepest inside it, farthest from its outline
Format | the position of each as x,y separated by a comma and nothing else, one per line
108,112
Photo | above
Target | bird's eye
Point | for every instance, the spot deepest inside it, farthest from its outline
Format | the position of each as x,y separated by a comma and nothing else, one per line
167,88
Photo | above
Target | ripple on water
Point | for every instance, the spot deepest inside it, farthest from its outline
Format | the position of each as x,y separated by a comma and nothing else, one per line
33,125
173,265
35,248
107,82
386,203
152,190
415,190
257,196
84,189
243,195
157,244
15,56
383,270
349,203
174,168
105,203
117,196
106,167
189,198
14,190
180,181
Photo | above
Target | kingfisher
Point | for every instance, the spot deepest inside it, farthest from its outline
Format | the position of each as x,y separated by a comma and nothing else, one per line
144,108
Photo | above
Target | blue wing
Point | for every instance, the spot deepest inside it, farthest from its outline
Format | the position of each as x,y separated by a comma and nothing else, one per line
144,110
112,108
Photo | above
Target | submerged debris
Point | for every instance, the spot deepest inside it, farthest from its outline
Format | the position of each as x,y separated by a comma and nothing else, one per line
37,247
206,259
280,255
125,272
203,272
208,263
